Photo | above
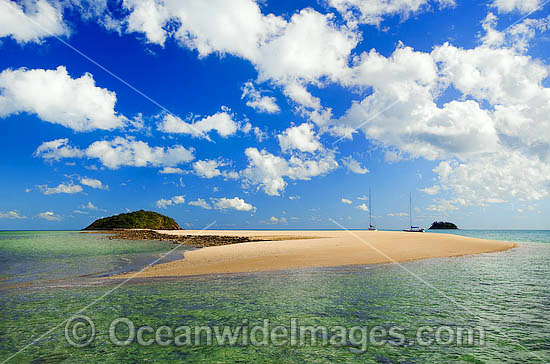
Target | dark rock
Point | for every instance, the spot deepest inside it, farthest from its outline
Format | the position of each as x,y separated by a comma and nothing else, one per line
199,241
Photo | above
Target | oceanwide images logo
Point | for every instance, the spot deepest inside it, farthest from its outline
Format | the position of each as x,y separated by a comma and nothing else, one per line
80,331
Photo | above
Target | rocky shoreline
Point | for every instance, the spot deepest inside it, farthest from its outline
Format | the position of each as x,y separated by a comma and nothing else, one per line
199,241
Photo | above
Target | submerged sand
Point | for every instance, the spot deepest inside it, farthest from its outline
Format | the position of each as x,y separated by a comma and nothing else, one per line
301,249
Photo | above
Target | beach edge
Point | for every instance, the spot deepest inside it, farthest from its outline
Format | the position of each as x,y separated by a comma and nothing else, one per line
334,249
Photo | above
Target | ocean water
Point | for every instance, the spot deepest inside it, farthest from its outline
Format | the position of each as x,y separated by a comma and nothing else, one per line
519,236
45,256
48,276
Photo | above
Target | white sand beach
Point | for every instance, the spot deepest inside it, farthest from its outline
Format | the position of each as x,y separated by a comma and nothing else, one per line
300,249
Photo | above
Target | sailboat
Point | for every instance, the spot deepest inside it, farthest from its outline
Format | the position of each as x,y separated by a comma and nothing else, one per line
413,229
371,226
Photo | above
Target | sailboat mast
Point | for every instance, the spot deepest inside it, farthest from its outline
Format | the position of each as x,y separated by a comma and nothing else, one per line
370,210
410,208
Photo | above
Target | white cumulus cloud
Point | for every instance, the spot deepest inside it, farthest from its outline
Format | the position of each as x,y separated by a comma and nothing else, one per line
210,169
199,202
207,168
11,215
119,152
313,47
234,203
31,21
68,188
275,220
492,140
398,214
176,200
127,152
58,149
301,137
434,190
93,183
269,171
222,122
54,96
445,206
522,6
171,170
148,17
307,47
255,100
373,11
353,166
49,215
363,207
89,206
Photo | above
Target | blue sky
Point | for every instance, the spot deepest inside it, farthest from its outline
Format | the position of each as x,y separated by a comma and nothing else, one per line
275,115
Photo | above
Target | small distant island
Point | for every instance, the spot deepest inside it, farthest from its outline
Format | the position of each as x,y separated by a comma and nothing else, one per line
443,225
135,220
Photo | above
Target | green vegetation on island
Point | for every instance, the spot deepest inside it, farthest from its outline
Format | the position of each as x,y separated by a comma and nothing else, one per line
135,220
443,225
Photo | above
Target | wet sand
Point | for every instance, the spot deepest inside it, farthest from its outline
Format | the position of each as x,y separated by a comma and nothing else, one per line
306,249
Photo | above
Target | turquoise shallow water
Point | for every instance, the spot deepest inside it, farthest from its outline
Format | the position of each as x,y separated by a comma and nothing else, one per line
506,294
519,236
43,256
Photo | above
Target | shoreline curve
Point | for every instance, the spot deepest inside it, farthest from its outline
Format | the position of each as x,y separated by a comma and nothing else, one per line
311,249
